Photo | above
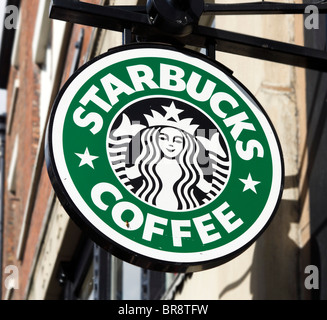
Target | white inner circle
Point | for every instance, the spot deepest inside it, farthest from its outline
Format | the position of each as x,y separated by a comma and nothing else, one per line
162,195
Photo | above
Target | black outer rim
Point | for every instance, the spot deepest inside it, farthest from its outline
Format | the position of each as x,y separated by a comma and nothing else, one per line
101,239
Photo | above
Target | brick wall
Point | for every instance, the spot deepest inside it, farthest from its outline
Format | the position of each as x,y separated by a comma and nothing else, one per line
26,124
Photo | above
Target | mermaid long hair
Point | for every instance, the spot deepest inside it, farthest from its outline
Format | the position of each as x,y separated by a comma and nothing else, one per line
150,156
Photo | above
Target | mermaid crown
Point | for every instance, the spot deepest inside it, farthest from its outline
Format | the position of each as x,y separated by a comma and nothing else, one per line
171,119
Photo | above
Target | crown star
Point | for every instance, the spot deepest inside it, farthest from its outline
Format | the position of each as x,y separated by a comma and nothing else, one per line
172,112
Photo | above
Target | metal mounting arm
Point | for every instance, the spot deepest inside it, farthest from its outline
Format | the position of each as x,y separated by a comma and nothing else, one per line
260,8
259,48
135,18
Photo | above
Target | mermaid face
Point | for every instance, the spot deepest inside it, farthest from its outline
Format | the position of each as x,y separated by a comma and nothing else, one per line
170,142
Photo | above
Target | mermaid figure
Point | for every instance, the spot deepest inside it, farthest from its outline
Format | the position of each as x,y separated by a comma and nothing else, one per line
167,164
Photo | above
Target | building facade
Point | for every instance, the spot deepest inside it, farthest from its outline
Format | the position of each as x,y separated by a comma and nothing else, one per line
45,255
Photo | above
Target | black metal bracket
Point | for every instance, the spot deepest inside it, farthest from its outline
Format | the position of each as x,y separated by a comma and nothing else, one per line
261,8
136,19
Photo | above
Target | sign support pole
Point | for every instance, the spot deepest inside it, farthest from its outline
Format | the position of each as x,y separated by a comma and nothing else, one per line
211,49
136,19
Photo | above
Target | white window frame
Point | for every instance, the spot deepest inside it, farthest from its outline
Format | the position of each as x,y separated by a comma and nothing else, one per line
11,180
41,32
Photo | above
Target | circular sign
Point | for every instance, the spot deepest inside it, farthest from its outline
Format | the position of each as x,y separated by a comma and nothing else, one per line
164,158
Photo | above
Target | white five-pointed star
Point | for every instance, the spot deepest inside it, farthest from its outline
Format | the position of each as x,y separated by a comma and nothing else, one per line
172,112
249,183
86,158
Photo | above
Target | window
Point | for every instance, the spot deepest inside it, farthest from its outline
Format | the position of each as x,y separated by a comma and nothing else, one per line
13,103
86,291
13,167
94,274
41,33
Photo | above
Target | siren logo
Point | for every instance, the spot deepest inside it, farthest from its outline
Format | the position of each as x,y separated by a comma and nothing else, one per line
164,158
164,142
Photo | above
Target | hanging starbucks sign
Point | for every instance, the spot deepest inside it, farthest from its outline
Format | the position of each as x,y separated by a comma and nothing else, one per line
164,158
